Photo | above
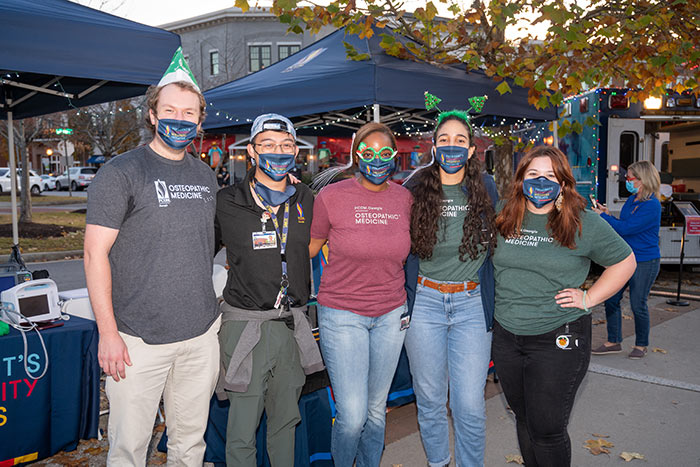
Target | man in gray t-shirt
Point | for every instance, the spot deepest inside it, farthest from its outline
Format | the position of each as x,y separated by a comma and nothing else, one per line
149,248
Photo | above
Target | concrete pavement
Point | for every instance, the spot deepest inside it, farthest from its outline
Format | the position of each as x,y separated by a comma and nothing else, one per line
650,406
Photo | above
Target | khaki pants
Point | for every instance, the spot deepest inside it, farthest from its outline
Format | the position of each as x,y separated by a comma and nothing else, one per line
185,374
275,386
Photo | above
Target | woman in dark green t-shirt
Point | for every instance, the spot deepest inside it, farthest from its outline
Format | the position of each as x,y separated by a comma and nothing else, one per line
449,341
542,335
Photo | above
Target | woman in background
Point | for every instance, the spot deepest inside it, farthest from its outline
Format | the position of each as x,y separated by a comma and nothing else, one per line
638,225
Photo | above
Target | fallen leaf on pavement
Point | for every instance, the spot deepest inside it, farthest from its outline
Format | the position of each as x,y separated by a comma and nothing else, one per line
628,456
674,310
598,435
659,350
599,321
674,402
396,465
94,451
598,446
626,316
160,427
159,459
515,459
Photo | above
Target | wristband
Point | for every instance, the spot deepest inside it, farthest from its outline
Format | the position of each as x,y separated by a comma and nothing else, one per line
585,308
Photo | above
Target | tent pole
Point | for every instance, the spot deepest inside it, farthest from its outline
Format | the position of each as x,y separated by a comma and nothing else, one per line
375,108
13,174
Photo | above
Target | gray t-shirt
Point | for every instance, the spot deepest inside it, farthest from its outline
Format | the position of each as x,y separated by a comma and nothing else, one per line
162,258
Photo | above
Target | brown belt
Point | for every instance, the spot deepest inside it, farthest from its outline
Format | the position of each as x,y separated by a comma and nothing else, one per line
448,288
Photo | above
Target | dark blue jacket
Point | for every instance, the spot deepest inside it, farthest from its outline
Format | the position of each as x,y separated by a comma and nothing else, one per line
638,225
486,279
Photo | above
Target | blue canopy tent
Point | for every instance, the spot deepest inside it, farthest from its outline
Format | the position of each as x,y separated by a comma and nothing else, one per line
319,86
57,55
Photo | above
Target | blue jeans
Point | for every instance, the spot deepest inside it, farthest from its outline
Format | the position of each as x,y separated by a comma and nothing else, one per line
361,354
448,343
640,284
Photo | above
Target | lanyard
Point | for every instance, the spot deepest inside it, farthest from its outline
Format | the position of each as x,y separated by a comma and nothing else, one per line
284,283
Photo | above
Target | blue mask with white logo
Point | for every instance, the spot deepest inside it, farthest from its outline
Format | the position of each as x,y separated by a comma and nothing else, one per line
630,187
376,171
276,166
541,190
274,197
177,134
451,158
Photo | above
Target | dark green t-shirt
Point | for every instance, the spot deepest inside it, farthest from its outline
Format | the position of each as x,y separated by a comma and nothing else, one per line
445,265
531,269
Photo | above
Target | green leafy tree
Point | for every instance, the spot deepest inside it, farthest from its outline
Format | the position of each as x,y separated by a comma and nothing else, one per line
649,46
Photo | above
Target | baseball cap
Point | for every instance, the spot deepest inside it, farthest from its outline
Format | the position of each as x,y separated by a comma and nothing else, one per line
274,122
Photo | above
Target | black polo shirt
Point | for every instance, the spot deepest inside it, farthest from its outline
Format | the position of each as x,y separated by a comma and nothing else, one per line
254,275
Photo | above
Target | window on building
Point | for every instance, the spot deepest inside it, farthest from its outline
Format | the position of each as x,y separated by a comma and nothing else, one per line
260,56
629,154
214,62
664,157
285,50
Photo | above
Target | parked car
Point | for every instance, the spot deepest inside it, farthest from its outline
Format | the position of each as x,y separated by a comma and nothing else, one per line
48,182
80,178
6,183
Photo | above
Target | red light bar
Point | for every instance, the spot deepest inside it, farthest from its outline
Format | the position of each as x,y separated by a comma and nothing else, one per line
618,101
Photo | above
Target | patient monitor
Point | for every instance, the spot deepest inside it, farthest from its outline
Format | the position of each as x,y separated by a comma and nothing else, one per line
35,301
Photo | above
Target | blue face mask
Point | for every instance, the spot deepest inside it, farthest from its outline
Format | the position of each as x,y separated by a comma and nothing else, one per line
177,134
630,187
377,171
276,166
274,197
540,191
451,158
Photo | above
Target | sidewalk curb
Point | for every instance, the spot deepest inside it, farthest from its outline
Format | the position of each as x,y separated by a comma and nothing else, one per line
45,256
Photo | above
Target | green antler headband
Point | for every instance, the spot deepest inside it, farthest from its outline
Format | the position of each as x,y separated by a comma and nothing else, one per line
476,103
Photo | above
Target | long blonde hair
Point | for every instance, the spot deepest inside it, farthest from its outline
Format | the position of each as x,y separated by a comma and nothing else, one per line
646,173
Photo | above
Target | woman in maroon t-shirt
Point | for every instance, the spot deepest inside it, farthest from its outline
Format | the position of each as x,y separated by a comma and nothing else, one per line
366,222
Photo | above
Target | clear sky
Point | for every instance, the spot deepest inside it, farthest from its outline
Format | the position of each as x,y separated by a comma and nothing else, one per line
159,12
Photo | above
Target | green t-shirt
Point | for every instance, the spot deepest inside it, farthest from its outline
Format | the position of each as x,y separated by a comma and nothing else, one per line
531,269
445,265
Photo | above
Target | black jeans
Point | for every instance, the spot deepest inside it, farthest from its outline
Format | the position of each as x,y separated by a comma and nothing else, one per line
540,380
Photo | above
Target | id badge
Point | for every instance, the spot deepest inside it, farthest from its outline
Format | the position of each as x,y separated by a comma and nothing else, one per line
264,240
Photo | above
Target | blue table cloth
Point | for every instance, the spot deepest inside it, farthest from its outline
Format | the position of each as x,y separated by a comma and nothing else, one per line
40,417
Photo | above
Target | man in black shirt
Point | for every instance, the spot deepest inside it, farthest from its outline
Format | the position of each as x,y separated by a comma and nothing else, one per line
266,341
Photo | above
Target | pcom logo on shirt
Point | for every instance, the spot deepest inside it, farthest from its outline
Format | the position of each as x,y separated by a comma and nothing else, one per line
162,193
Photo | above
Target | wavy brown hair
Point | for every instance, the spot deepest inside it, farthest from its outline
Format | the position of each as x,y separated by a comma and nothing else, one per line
478,230
562,224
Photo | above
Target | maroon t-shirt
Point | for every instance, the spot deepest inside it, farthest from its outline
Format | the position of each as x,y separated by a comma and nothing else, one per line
368,242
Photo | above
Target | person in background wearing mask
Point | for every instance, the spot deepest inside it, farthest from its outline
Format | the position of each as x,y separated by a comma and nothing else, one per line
638,225
366,222
542,335
266,342
449,341
149,249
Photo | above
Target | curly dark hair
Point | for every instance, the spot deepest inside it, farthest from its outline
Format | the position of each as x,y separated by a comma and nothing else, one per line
479,232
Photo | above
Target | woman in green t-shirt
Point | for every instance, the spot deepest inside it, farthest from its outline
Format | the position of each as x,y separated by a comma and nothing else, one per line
449,341
542,335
